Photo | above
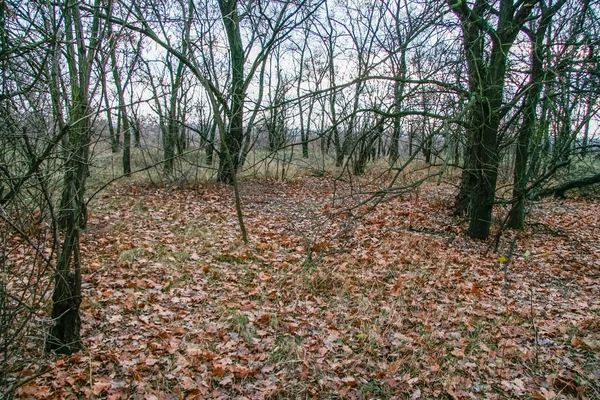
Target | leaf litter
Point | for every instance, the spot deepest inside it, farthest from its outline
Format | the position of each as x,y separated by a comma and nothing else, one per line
396,305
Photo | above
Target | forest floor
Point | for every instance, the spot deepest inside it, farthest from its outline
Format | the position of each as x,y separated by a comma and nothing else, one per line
398,304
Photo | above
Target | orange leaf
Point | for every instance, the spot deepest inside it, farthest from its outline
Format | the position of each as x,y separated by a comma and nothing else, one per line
349,380
100,387
263,276
578,343
218,370
460,353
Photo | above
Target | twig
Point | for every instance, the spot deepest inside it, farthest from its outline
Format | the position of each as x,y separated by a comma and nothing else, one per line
535,329
508,258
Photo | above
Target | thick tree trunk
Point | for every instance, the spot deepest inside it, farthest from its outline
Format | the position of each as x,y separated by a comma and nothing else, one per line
480,172
484,190
398,95
80,54
169,139
486,81
468,178
64,335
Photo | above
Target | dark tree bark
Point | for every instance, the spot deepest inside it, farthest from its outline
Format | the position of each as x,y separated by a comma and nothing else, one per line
560,190
64,335
528,127
113,135
486,82
210,146
304,129
398,97
231,144
122,106
365,147
136,127
66,298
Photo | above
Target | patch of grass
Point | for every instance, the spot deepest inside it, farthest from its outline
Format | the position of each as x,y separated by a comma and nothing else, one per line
132,254
227,258
309,263
320,281
474,333
248,276
167,256
284,164
215,274
373,389
205,234
284,349
139,207
182,255
239,323
185,278
239,259
274,321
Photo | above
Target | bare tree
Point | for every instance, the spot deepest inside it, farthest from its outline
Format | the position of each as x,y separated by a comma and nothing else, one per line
82,42
537,34
488,35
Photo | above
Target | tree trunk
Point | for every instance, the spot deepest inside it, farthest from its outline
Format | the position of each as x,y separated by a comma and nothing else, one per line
169,138
122,105
113,136
64,335
80,54
210,146
182,132
171,133
231,144
304,129
398,96
517,214
136,125
486,82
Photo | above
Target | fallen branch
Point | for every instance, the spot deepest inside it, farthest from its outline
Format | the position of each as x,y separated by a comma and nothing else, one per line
559,191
